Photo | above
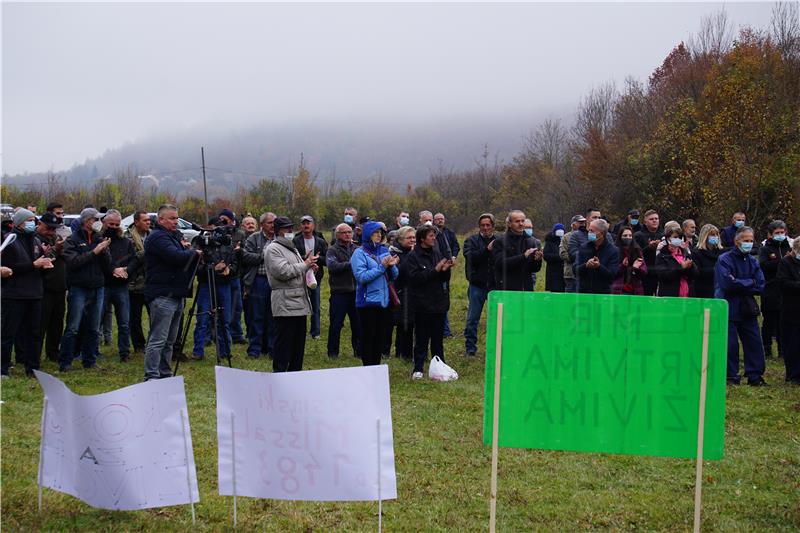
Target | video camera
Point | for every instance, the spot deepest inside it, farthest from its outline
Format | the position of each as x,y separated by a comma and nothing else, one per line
215,238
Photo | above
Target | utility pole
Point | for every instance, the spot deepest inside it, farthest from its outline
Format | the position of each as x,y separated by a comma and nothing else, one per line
205,187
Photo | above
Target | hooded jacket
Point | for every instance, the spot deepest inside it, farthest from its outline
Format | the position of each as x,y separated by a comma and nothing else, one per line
372,286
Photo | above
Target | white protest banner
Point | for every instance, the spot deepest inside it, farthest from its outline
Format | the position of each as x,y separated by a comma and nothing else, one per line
126,449
309,435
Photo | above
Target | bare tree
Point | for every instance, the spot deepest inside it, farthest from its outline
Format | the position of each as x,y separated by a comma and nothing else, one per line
786,29
714,38
595,113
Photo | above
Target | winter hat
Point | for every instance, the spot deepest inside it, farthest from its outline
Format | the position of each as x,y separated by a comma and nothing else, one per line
557,227
227,213
21,216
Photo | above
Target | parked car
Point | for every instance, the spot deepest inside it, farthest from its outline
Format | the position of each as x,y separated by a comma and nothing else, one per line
190,230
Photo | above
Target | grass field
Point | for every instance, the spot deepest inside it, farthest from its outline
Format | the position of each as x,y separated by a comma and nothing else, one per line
442,466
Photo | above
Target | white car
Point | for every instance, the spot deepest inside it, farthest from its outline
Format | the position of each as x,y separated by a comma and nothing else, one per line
189,229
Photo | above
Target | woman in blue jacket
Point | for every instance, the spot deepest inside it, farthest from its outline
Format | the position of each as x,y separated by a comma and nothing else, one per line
373,267
738,278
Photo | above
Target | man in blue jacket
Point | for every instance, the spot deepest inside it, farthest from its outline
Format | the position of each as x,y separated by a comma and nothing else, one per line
597,260
738,278
170,267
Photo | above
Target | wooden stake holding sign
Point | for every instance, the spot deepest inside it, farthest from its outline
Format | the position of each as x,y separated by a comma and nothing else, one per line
496,419
701,422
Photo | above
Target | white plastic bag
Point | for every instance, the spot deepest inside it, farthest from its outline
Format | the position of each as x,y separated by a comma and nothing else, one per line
311,279
440,371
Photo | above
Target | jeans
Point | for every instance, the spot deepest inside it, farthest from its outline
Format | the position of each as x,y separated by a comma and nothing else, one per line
21,330
290,343
446,330
477,298
313,295
754,364
261,329
54,307
106,326
137,304
204,319
165,320
118,297
429,328
235,321
80,302
343,304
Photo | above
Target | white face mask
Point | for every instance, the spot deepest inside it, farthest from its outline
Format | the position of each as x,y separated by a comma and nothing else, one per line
289,235
559,233
97,226
429,223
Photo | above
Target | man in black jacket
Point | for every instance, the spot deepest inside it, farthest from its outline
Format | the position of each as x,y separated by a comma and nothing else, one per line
238,238
448,244
516,256
115,292
775,248
598,261
87,258
648,240
343,291
170,267
307,241
257,292
54,280
632,220
479,269
22,295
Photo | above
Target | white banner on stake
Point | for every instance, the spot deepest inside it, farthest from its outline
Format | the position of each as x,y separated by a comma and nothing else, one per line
306,435
125,449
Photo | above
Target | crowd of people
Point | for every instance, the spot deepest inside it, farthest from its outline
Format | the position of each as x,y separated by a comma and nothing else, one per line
62,287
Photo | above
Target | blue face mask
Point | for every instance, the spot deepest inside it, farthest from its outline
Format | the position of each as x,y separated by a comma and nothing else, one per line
779,238
634,221
746,247
739,223
348,219
30,226
528,232
676,241
713,241
592,237
404,221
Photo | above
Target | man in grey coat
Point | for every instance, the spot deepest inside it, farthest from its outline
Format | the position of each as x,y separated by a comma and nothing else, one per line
286,272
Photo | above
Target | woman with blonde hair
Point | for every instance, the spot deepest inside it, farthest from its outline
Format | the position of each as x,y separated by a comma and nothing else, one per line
705,255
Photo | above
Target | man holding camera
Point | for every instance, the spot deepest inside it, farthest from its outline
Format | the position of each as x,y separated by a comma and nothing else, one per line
238,237
169,270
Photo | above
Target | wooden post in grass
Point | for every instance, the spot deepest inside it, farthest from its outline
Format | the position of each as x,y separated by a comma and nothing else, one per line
233,461
41,451
380,497
701,422
498,347
188,465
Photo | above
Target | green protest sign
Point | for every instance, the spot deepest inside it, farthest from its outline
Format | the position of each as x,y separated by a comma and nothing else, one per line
603,373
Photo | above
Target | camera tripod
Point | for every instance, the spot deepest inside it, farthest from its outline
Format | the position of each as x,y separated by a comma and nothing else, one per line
215,312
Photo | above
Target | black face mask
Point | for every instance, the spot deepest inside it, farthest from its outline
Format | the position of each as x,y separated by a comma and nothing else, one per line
626,241
111,232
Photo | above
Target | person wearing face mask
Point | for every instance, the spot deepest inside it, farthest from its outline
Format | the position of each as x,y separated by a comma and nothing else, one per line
373,268
54,280
728,233
87,258
577,222
705,256
350,218
22,295
598,260
115,293
674,266
403,219
479,269
516,256
774,249
554,274
738,279
632,268
788,277
631,221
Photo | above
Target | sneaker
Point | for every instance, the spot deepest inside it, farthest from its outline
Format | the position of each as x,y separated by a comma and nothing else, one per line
757,382
333,356
315,337
417,375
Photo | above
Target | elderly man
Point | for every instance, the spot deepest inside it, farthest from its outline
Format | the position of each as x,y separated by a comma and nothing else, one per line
22,295
689,228
516,256
738,278
343,291
249,226
137,233
598,260
308,242
168,281
286,271
115,292
258,294
578,223
480,275
87,258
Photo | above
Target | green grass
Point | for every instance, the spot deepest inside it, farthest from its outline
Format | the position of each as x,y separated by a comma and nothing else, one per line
442,466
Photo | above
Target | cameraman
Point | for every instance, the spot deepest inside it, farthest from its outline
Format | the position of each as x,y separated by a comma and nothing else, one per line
168,281
238,237
218,268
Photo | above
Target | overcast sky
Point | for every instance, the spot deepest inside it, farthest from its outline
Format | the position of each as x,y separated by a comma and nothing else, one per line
82,78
